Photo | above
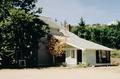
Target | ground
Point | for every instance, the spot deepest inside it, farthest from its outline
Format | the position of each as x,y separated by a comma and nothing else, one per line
62,73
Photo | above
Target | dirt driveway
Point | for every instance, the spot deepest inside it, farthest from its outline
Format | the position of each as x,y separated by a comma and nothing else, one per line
62,73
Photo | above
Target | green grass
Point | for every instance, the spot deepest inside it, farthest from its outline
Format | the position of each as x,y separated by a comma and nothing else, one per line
115,53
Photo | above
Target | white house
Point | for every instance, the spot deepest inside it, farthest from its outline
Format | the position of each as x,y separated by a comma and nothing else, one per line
81,50
77,49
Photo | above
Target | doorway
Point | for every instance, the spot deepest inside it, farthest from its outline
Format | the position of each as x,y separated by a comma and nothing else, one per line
79,56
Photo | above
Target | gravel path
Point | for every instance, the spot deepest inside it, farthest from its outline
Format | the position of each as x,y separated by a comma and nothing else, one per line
62,73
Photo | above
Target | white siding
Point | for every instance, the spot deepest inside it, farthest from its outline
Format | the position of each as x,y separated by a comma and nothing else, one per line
69,60
89,57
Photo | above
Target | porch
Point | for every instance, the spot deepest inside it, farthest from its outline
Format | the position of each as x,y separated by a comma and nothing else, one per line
72,57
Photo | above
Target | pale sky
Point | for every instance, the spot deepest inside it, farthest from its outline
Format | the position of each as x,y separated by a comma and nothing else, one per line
93,11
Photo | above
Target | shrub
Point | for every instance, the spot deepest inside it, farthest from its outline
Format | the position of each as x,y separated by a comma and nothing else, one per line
83,65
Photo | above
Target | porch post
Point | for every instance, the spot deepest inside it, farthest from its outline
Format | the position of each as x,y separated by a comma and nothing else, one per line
76,55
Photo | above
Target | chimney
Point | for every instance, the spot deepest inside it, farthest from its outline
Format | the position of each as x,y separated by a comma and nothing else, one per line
68,27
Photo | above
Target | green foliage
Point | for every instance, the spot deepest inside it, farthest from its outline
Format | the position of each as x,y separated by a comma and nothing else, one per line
82,22
20,31
115,54
83,65
106,35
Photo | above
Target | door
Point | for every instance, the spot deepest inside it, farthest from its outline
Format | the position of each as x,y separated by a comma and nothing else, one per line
79,56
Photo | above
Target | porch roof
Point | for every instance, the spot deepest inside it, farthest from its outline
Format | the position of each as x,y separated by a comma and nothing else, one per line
77,42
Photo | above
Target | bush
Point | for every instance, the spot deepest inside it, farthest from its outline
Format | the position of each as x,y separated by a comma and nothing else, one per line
115,54
83,65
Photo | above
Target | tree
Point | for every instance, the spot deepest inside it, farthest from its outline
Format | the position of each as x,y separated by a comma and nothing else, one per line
101,34
56,46
80,30
20,30
82,22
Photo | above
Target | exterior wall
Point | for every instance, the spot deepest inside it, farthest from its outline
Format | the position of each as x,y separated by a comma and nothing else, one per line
69,60
89,57
44,57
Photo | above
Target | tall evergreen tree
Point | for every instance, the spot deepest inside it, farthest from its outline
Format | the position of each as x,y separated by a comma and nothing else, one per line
82,22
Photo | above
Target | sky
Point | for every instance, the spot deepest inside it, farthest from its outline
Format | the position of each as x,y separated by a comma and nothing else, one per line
92,11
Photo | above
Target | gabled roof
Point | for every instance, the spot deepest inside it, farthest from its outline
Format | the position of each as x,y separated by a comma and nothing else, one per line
72,39
50,22
75,41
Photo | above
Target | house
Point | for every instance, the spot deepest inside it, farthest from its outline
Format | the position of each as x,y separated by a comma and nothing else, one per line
77,50
80,50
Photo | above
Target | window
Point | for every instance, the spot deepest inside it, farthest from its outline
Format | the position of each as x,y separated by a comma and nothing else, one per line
102,56
72,53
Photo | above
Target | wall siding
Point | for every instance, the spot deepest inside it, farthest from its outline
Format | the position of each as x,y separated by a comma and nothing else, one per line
89,57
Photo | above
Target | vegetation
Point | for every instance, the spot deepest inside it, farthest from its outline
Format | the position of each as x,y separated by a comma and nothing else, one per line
83,65
115,54
20,31
107,35
115,57
82,22
55,46
103,34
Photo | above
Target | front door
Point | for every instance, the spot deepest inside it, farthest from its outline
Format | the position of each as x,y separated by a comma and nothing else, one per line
79,56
